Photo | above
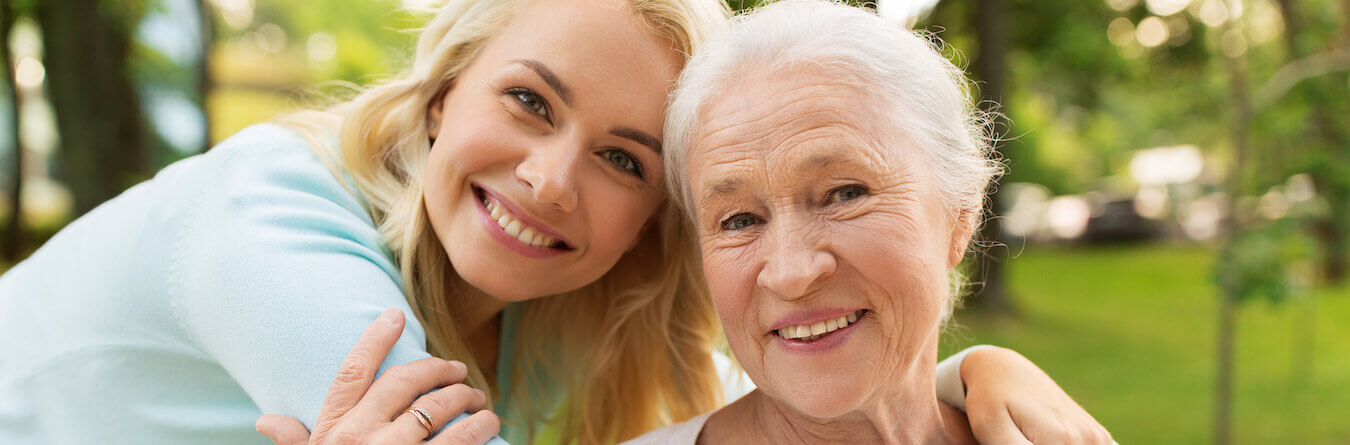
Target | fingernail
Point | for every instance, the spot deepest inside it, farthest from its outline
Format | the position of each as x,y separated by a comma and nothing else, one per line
391,315
481,394
459,365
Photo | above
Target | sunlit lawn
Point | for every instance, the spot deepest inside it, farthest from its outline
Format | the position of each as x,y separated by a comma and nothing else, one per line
1130,333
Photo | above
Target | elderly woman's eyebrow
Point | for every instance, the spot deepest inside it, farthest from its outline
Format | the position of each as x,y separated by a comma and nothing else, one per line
821,160
721,187
835,159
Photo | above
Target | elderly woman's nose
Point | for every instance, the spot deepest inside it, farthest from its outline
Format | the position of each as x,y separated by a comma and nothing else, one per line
795,265
551,172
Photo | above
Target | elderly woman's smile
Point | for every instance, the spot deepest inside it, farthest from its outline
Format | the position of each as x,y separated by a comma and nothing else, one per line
824,241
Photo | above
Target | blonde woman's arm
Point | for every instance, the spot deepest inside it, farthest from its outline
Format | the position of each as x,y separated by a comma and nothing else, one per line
358,410
278,271
1009,400
1006,397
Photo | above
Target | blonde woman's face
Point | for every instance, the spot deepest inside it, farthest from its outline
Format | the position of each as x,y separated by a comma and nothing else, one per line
546,161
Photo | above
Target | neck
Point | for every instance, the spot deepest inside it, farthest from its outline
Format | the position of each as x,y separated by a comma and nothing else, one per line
907,413
475,310
478,318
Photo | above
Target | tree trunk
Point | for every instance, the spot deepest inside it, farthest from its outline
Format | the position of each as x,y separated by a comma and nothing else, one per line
98,114
13,244
1228,289
990,66
204,81
1223,381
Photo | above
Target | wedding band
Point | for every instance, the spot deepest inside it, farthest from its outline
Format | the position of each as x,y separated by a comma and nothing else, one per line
422,417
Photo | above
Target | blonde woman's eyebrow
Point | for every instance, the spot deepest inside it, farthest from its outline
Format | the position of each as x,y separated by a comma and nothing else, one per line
638,136
550,77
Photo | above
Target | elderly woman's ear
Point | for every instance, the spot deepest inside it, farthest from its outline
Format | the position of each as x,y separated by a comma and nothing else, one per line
962,229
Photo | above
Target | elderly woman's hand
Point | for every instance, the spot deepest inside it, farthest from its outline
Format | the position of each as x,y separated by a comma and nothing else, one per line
359,410
1011,401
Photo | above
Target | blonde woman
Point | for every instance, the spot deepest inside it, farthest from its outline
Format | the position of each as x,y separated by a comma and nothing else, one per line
506,193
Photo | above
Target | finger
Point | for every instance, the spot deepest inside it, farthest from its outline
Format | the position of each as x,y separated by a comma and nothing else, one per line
357,371
442,405
476,429
997,428
282,430
1094,432
396,389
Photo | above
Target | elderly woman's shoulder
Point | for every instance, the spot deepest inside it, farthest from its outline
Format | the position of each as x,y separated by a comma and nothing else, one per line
685,433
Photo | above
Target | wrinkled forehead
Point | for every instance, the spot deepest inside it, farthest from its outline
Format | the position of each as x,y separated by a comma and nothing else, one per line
788,116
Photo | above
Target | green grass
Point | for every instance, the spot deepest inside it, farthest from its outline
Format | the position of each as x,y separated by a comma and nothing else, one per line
1130,333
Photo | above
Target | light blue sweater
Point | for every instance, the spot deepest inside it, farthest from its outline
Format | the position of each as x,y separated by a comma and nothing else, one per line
230,285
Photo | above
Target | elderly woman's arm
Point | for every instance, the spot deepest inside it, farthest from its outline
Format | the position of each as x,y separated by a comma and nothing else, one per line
1011,401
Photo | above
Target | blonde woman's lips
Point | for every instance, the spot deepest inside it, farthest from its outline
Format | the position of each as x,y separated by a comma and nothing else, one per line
514,229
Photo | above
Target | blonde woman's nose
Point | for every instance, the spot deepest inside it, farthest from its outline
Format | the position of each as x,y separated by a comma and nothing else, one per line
551,175
795,266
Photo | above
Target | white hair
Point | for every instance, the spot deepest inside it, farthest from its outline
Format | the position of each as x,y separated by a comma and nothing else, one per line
925,96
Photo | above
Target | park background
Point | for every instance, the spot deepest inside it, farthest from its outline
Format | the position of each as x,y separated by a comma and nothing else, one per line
1170,243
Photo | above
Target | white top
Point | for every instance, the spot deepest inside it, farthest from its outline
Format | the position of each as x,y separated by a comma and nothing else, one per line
950,390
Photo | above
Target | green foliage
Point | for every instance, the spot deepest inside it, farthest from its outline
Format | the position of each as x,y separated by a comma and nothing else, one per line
1128,332
1262,262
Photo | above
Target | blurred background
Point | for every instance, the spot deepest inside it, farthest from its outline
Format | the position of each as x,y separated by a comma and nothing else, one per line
1170,243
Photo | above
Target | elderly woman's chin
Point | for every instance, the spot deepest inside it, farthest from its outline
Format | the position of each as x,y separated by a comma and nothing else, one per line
834,380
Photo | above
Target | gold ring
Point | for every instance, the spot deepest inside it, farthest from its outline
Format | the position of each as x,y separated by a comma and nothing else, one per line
421,416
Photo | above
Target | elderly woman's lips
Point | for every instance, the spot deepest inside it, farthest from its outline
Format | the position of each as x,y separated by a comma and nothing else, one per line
819,329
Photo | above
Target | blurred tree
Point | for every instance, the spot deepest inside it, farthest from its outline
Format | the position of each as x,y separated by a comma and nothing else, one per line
98,114
1231,289
204,81
990,67
13,232
1331,160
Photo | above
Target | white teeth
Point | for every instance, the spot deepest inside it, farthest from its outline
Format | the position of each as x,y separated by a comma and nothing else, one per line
513,229
816,330
517,228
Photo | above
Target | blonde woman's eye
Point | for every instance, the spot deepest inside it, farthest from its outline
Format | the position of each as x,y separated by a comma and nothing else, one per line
846,193
739,221
625,161
531,101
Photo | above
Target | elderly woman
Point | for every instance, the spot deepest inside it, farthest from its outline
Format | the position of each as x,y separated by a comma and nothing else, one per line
834,167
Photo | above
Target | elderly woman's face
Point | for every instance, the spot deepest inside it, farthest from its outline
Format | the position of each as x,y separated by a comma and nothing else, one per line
824,241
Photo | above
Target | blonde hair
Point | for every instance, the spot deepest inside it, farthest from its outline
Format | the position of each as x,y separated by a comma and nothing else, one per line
649,362
910,85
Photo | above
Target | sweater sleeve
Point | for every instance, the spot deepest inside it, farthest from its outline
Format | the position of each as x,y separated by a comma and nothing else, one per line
276,274
951,389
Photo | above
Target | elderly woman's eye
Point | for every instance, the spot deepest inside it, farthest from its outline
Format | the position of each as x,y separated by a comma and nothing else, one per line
846,193
530,100
739,221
